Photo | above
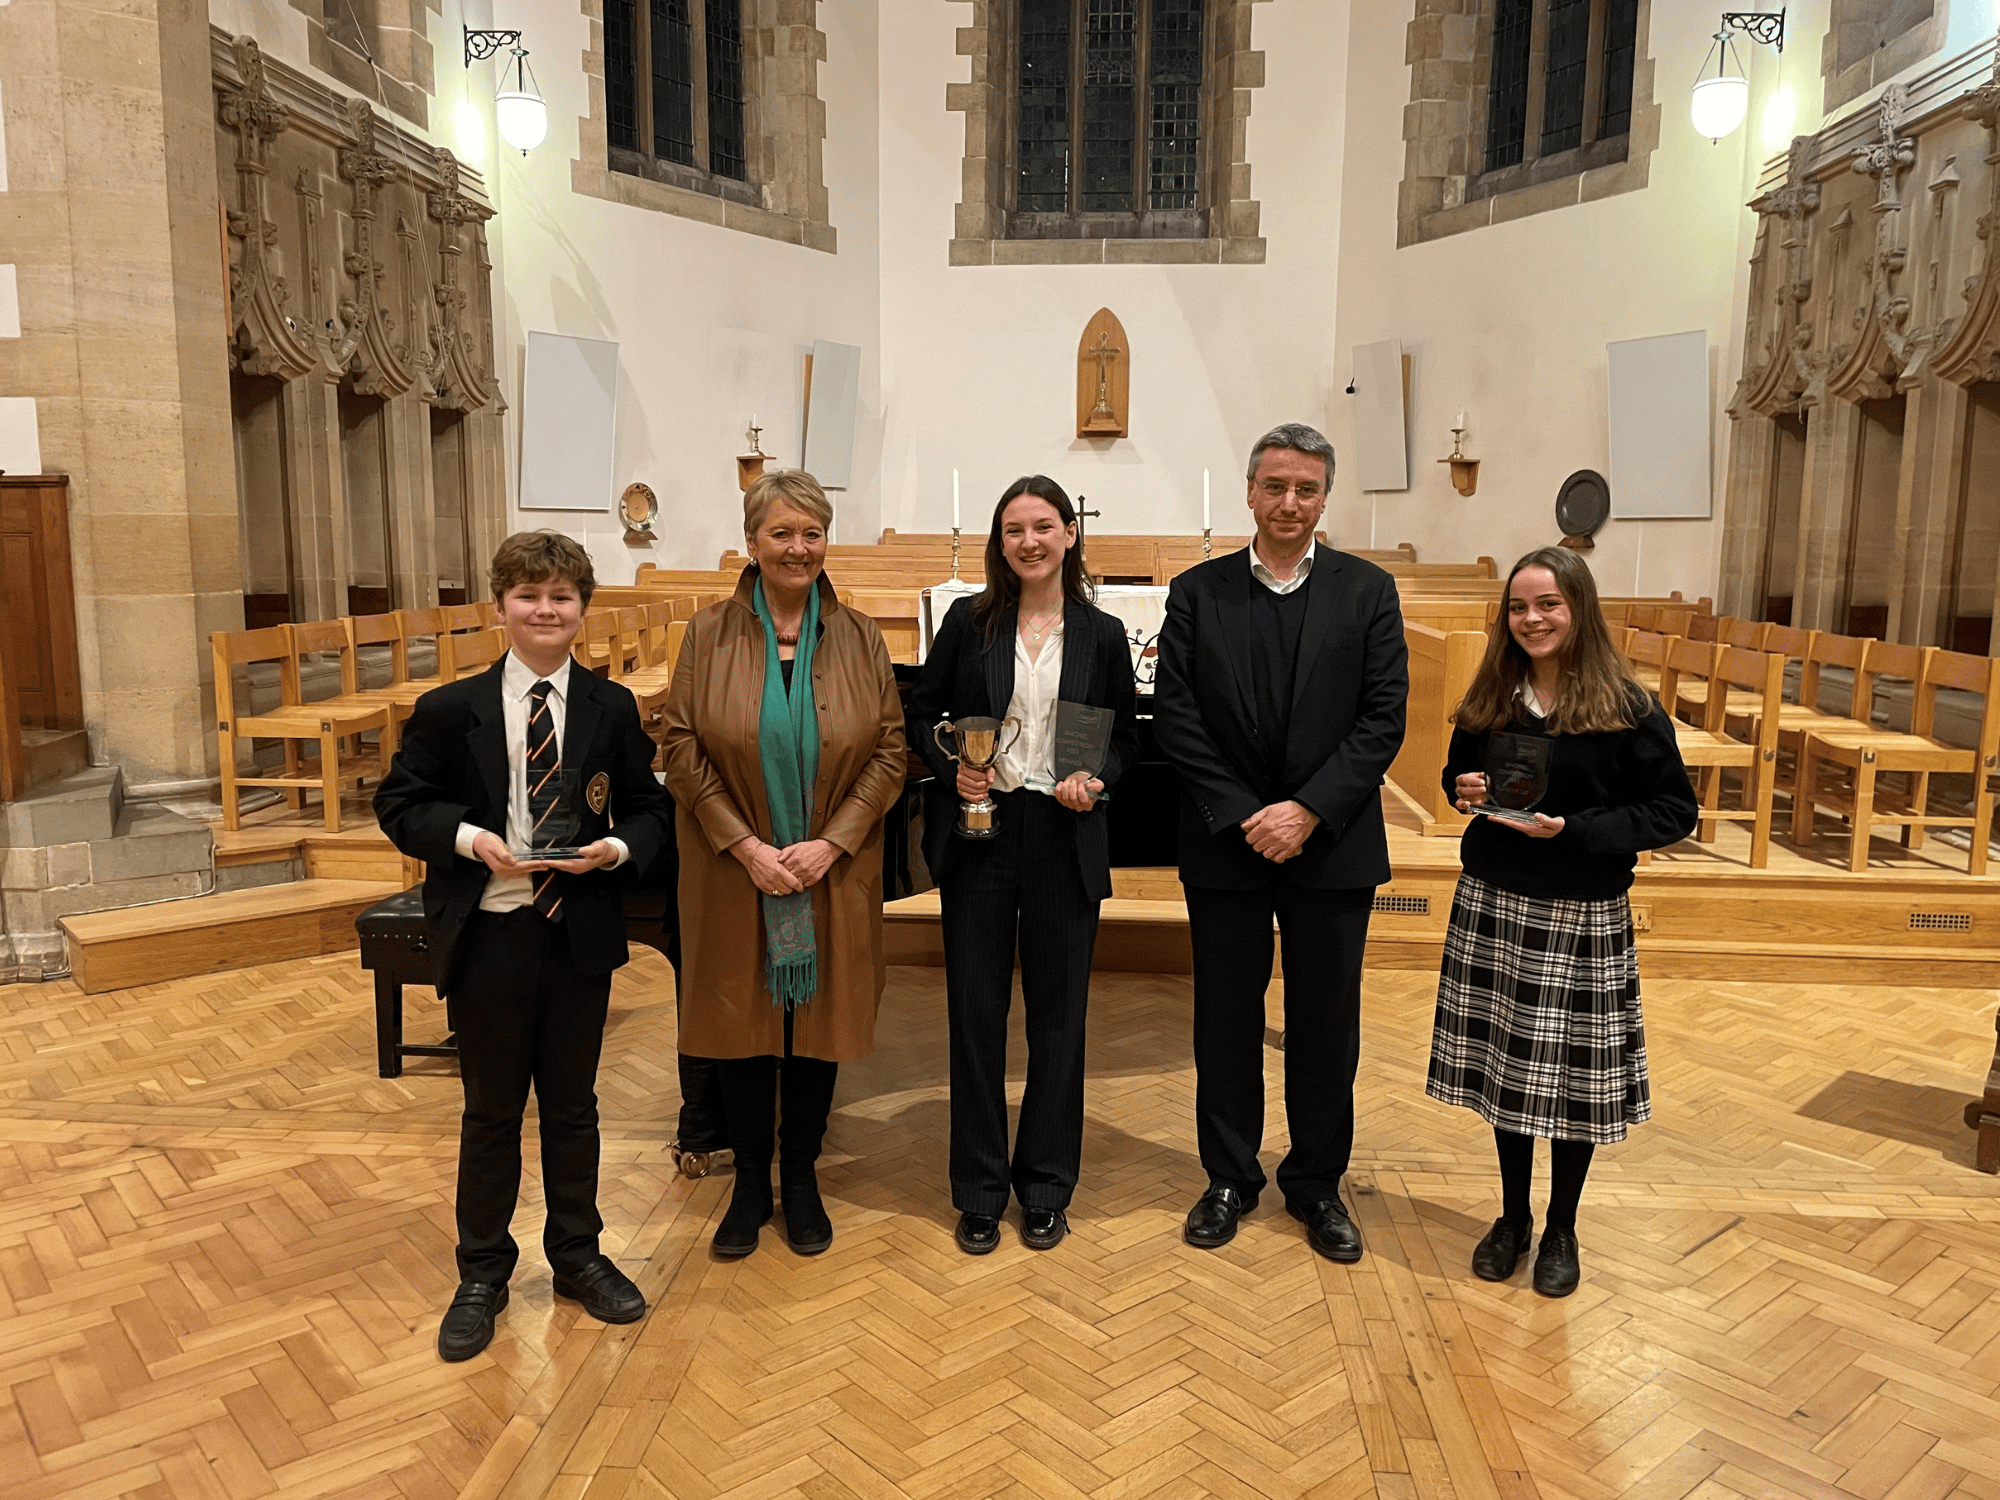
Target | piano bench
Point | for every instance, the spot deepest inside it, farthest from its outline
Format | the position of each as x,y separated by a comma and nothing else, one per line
395,945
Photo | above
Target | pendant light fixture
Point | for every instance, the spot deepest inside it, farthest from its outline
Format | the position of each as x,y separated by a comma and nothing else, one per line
1722,98
520,112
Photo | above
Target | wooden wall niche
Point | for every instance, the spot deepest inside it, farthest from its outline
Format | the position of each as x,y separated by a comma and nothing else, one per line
1103,378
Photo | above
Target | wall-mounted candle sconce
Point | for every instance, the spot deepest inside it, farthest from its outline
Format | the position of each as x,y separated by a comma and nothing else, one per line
1464,471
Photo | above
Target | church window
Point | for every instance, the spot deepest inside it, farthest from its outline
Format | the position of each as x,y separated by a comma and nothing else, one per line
656,119
1523,106
1126,72
1107,130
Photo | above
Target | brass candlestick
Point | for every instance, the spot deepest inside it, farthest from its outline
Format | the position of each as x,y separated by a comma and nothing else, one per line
954,554
1204,544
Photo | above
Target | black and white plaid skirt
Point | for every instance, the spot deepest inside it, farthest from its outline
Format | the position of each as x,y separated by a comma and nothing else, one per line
1538,1027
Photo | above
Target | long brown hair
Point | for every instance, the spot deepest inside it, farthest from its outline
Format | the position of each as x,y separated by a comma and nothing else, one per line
1003,585
1595,690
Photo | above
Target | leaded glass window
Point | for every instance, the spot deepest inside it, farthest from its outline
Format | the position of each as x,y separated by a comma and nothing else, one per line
674,89
1559,80
673,81
1565,75
1507,94
725,90
1044,96
1176,104
1621,40
1108,105
621,96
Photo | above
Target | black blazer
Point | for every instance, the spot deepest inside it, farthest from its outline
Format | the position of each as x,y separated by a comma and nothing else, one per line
451,768
1348,693
963,677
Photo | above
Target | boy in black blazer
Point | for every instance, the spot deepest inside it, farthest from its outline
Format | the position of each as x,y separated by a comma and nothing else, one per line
525,948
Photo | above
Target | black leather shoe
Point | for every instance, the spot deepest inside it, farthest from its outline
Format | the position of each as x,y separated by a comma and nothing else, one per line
807,1228
1211,1223
1496,1256
1556,1270
978,1234
606,1292
1043,1228
468,1322
1330,1231
736,1235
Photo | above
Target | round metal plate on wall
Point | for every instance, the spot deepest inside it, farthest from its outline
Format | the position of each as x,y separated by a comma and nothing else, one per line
637,508
1583,504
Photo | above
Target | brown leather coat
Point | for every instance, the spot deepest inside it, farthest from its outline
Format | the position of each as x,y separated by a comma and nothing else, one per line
717,778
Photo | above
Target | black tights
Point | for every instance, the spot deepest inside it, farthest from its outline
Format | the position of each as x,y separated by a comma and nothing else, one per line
1569,1164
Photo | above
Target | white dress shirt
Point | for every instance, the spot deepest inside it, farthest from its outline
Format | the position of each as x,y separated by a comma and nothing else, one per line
507,892
1271,580
1037,685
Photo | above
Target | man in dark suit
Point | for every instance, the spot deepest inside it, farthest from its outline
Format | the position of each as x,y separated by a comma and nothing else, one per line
525,948
1280,700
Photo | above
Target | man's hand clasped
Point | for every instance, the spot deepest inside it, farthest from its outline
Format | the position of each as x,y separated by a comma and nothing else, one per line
1280,831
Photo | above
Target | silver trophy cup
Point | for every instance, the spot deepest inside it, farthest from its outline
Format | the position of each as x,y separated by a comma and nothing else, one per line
979,745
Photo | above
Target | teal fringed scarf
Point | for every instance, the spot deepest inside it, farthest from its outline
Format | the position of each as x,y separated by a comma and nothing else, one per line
788,744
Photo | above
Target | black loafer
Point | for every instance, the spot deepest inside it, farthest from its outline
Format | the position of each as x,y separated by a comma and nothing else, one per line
1496,1257
1556,1270
468,1322
1330,1231
1043,1228
1211,1223
807,1228
606,1292
977,1234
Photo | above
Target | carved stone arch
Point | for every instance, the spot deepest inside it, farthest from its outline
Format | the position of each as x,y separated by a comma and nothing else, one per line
366,352
1971,351
264,338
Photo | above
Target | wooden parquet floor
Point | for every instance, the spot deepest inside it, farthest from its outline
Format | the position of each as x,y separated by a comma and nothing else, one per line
224,1245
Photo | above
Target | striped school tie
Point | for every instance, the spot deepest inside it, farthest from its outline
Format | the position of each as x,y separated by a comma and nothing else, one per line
544,760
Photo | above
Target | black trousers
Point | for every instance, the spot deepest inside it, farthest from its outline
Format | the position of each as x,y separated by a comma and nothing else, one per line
1325,933
525,1016
1019,890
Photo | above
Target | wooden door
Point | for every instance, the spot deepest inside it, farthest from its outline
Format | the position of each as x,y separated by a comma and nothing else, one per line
40,619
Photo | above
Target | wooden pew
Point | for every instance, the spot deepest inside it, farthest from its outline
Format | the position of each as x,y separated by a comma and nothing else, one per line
1442,664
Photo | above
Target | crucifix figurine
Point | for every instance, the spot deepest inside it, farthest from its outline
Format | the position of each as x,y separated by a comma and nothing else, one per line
1103,378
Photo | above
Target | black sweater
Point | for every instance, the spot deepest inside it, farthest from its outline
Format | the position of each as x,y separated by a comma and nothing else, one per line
1616,794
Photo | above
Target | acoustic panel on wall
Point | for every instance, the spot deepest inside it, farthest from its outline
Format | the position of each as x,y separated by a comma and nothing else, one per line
1381,429
1659,420
569,404
20,436
831,397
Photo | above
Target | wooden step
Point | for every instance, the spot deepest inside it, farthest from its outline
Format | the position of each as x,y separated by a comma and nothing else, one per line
115,950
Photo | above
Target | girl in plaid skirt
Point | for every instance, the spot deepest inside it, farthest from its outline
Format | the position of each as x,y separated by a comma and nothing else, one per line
1573,766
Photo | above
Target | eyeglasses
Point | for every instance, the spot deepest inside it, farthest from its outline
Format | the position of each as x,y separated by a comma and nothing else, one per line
1277,489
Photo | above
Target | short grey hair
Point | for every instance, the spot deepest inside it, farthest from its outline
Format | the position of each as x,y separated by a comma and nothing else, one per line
795,487
1300,439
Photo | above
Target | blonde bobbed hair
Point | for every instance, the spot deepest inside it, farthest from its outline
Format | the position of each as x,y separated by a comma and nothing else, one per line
795,487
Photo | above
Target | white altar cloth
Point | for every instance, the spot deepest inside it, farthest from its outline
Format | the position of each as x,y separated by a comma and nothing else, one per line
1142,607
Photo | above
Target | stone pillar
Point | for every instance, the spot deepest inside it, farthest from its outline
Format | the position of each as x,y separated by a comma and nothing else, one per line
1746,531
406,471
319,498
114,223
1826,506
486,494
1927,512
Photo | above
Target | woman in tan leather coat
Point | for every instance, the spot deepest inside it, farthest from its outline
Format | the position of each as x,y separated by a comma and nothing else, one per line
784,749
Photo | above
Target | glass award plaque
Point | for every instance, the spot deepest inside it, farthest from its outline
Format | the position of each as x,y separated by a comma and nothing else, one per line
1517,776
555,803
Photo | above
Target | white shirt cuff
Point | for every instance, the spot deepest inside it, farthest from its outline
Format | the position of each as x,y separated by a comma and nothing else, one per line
467,833
623,853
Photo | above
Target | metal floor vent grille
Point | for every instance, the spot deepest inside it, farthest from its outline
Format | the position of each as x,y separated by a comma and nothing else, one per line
1407,906
1940,921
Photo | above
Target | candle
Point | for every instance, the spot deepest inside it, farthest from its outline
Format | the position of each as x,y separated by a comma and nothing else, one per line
1459,421
954,499
1204,499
